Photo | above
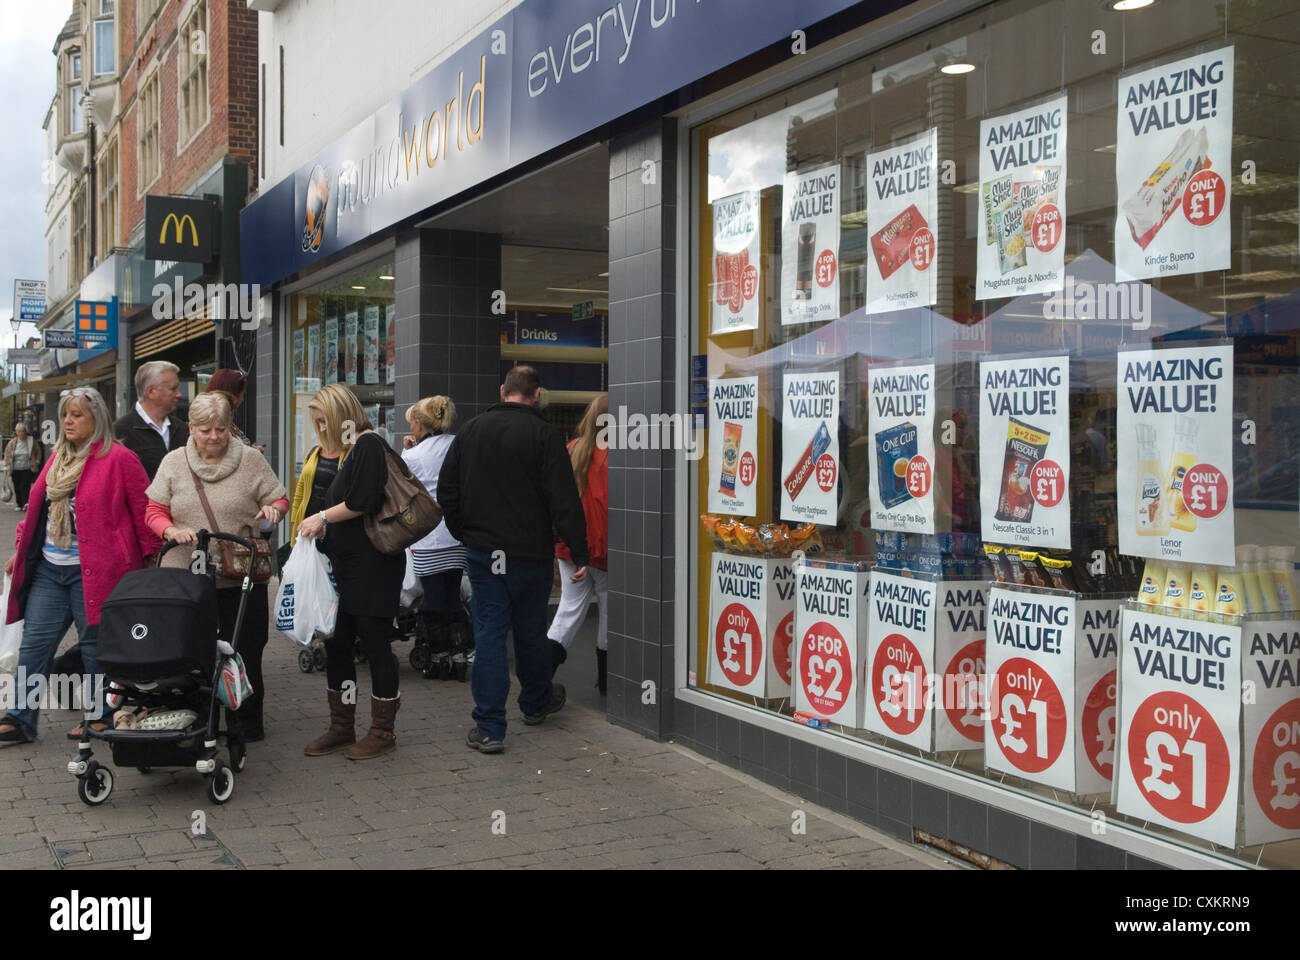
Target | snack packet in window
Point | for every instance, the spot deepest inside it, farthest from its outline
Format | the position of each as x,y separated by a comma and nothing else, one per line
748,539
1011,237
995,194
807,538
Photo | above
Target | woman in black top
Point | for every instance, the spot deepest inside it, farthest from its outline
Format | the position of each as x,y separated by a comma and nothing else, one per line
369,583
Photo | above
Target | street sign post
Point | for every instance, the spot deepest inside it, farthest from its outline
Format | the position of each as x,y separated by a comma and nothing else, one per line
61,339
96,323
29,299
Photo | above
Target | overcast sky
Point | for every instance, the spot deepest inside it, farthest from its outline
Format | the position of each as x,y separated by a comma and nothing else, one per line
26,87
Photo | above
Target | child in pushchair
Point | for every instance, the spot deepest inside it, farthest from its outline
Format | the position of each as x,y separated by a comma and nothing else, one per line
159,646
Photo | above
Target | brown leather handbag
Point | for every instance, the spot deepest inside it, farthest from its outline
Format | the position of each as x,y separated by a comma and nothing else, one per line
233,560
408,514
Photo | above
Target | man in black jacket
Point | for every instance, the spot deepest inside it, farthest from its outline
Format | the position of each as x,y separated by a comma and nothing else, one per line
152,430
506,488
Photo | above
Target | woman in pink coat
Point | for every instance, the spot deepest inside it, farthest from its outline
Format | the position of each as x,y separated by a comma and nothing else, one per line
83,531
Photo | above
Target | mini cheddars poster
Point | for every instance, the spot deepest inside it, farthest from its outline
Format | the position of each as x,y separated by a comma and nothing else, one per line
810,245
733,446
1173,168
901,426
901,212
810,446
1174,437
736,257
1025,451
1021,220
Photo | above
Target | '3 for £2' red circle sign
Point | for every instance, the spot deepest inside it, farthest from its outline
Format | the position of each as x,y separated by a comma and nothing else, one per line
825,670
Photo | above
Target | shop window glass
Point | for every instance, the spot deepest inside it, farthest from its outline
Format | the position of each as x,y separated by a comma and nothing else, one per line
343,331
1001,381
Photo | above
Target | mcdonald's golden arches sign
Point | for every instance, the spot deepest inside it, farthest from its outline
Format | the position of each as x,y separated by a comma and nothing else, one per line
180,228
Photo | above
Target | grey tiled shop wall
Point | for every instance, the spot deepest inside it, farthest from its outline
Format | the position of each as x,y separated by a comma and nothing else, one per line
642,377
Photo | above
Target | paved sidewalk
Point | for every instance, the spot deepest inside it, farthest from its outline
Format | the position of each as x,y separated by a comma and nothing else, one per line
576,791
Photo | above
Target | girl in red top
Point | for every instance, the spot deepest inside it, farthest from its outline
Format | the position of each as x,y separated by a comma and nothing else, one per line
591,471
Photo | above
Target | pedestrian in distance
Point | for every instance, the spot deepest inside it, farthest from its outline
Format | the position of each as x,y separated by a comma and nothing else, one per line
233,385
23,457
439,558
591,473
83,531
152,430
240,491
369,582
505,488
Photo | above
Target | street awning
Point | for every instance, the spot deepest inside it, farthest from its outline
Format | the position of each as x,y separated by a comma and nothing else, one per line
67,380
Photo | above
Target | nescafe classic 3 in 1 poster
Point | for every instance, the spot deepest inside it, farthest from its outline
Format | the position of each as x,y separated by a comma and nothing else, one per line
810,446
1022,202
1173,168
1174,433
735,263
901,209
810,244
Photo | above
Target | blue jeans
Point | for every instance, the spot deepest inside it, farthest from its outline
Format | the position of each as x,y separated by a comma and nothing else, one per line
54,603
514,599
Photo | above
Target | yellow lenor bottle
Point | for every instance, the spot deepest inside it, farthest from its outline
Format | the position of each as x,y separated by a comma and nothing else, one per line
1200,590
1176,587
1182,460
1251,583
1229,597
1152,589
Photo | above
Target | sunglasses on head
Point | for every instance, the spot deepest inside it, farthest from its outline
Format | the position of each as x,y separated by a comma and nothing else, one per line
75,392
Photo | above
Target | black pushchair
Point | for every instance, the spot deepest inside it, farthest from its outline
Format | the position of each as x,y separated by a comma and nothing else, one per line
158,637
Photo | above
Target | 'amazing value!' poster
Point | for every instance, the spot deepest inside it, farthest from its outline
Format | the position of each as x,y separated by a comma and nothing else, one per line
810,446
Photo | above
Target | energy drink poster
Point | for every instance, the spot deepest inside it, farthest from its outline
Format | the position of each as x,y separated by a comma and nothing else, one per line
902,210
1173,168
1174,479
751,616
810,446
959,642
350,347
1271,724
331,348
736,262
810,246
1022,202
370,369
1030,650
830,629
733,446
1025,451
1096,685
900,658
1180,697
901,423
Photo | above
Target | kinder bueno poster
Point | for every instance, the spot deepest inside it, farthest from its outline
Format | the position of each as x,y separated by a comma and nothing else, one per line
1025,451
901,209
959,641
1022,202
751,610
1271,727
829,627
733,446
1180,698
1030,652
900,658
901,424
1174,473
1173,168
1095,711
810,446
810,244
736,259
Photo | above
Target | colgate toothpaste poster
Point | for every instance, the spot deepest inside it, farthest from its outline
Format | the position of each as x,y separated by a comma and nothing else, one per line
810,446
901,210
1180,698
830,630
733,446
1173,168
1031,671
1271,724
1174,463
900,658
1021,220
1025,451
736,263
810,245
901,424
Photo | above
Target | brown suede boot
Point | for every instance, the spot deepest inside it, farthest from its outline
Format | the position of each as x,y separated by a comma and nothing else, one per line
380,739
342,731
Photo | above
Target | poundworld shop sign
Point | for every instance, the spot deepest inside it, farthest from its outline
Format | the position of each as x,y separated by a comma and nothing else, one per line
545,73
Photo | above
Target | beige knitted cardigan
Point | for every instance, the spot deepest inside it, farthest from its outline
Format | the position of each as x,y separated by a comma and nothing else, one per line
237,487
